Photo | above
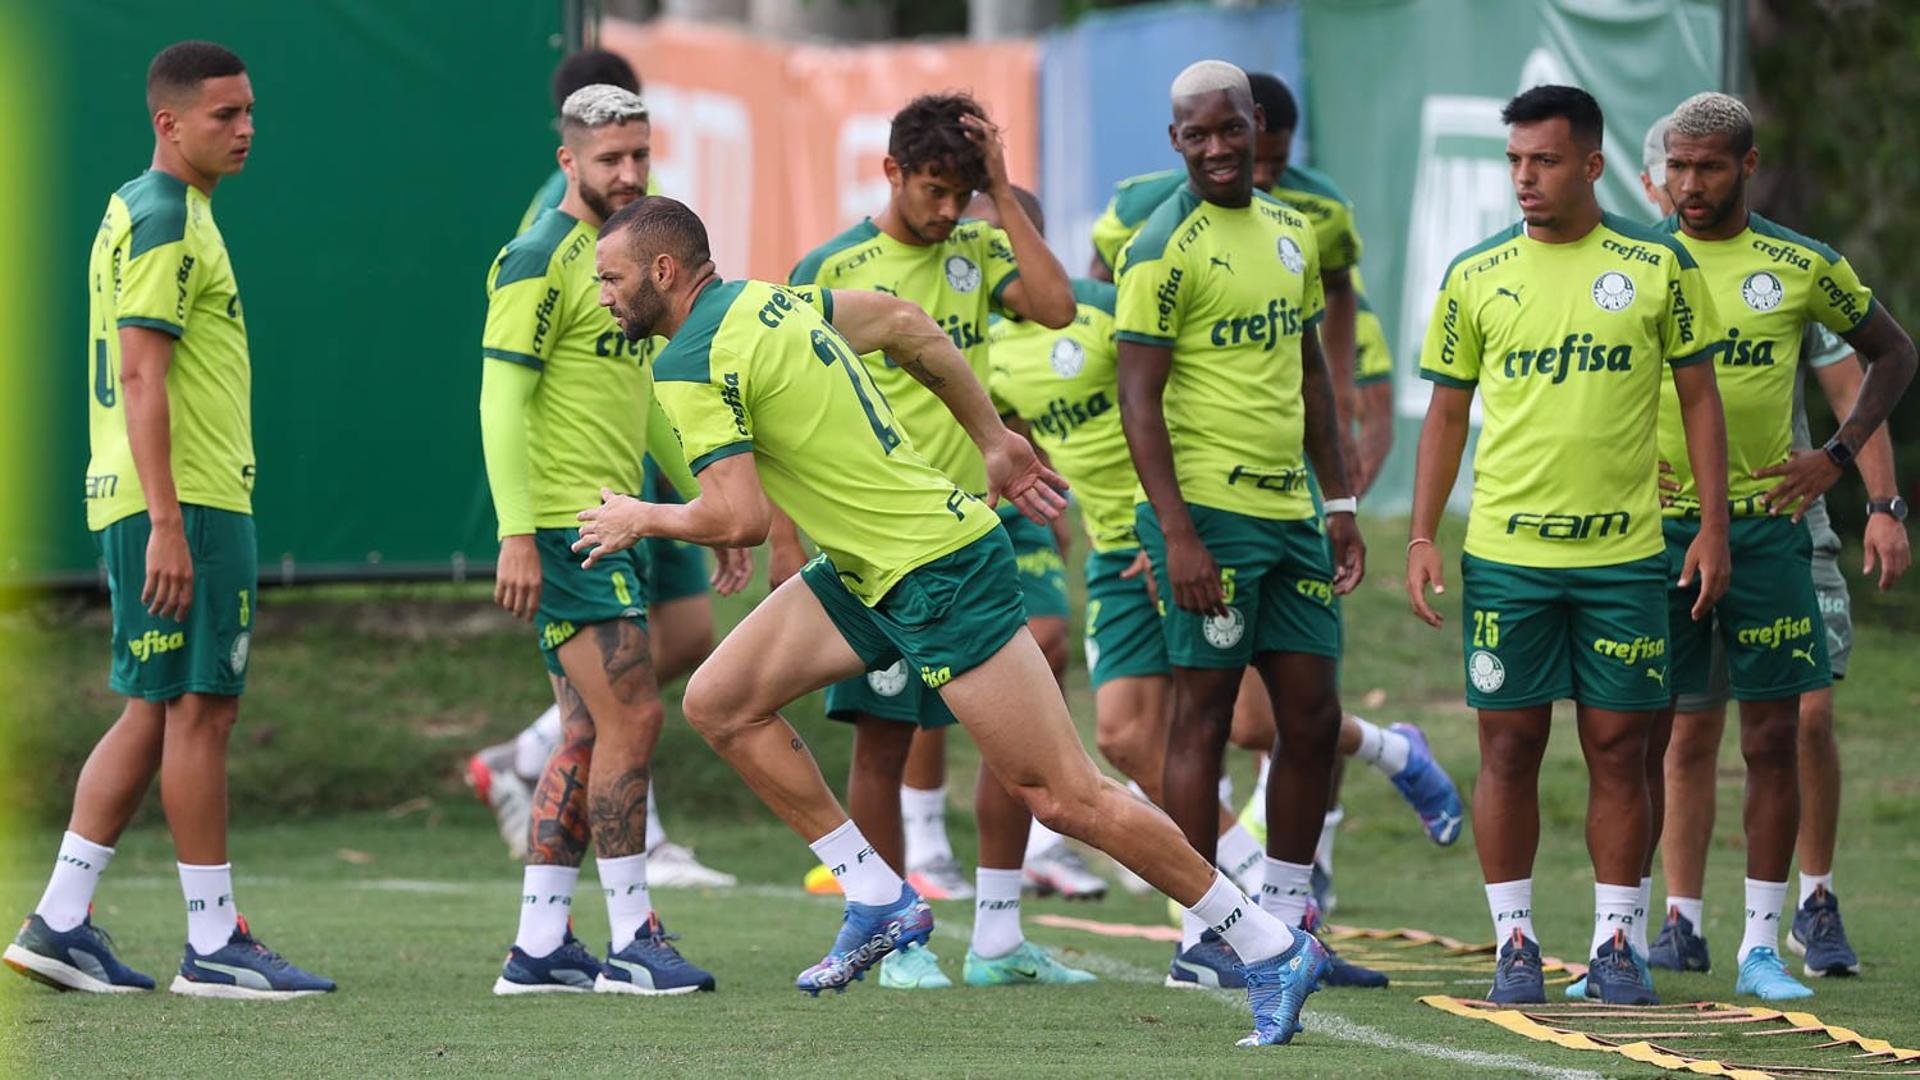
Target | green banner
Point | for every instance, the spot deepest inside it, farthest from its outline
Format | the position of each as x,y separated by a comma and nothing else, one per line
1413,132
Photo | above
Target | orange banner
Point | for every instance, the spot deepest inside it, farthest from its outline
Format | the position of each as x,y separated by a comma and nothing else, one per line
779,146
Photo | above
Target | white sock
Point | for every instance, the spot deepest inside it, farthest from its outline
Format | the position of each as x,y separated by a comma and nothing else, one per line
656,832
1226,789
1253,934
76,873
211,919
1040,839
624,881
1237,852
863,875
924,813
1329,826
1808,883
996,912
1382,748
1764,900
533,746
1285,891
546,900
1191,927
1640,919
1612,910
1511,903
1693,908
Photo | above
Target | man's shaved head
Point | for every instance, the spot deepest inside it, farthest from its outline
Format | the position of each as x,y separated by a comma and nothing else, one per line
175,75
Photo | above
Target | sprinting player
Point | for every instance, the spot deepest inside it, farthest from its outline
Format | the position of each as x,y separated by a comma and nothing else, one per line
1223,395
170,503
942,150
771,402
564,404
679,609
1566,323
1770,284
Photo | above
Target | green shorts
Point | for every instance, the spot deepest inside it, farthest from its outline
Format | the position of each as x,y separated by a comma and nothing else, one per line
1277,579
159,659
572,597
1123,635
1768,624
1043,574
1534,635
940,620
676,570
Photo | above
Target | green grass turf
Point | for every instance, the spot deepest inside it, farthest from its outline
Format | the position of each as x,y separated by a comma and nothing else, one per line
360,856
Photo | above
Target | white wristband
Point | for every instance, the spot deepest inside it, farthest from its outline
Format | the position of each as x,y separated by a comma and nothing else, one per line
1340,506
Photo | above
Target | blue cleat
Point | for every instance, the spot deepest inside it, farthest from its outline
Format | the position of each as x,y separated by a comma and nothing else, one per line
1028,965
1765,977
1820,937
868,932
1678,948
1428,788
78,959
1211,964
1615,975
569,969
245,968
650,965
1278,987
1517,977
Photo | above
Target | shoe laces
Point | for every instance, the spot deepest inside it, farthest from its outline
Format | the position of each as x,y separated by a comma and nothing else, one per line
243,937
1825,925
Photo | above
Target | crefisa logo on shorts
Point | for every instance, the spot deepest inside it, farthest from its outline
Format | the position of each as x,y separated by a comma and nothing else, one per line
962,274
890,682
1224,631
1486,672
1613,291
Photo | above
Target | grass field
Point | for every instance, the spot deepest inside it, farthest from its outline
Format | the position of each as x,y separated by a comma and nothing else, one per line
359,855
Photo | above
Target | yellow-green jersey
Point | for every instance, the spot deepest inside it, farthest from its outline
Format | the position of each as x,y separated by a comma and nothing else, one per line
1231,291
1309,191
1767,283
758,368
552,191
1372,356
1062,383
160,262
586,419
959,282
1569,346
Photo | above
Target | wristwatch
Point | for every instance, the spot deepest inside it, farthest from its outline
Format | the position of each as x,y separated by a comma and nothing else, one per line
1896,508
1840,453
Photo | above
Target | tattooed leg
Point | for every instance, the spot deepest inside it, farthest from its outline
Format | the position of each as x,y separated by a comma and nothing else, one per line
609,665
558,832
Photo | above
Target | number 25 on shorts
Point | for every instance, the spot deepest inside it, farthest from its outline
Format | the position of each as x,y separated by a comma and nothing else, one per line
1486,629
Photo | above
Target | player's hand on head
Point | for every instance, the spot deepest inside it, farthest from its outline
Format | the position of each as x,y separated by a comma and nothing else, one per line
1708,563
611,527
1804,476
1349,553
985,134
1886,547
1193,575
168,592
516,577
1016,473
1425,571
733,568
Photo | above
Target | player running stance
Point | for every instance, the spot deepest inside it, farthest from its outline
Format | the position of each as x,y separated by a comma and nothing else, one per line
170,503
1566,323
1769,284
770,400
1223,393
564,405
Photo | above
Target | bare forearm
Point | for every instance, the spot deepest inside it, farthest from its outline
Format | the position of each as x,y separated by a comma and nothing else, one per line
1886,381
150,438
1841,382
1151,448
707,522
1706,427
1044,283
928,355
1376,430
1337,341
1323,442
1443,438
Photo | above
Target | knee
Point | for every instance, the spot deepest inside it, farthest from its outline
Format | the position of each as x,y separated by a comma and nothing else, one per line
1509,755
1816,724
881,749
1068,809
1120,744
1051,636
199,716
1770,740
712,707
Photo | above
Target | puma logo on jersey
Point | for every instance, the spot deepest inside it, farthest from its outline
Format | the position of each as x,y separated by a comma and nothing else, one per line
1512,294
1227,263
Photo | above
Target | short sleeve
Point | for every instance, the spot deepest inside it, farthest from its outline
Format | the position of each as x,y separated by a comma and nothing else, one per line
1822,348
1838,300
521,316
1339,240
998,265
1451,353
1110,235
710,416
1313,299
1151,300
1692,321
817,297
161,277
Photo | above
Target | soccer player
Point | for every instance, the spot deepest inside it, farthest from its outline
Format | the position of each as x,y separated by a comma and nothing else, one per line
941,150
1223,395
679,608
766,391
1567,323
1770,284
170,502
564,405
